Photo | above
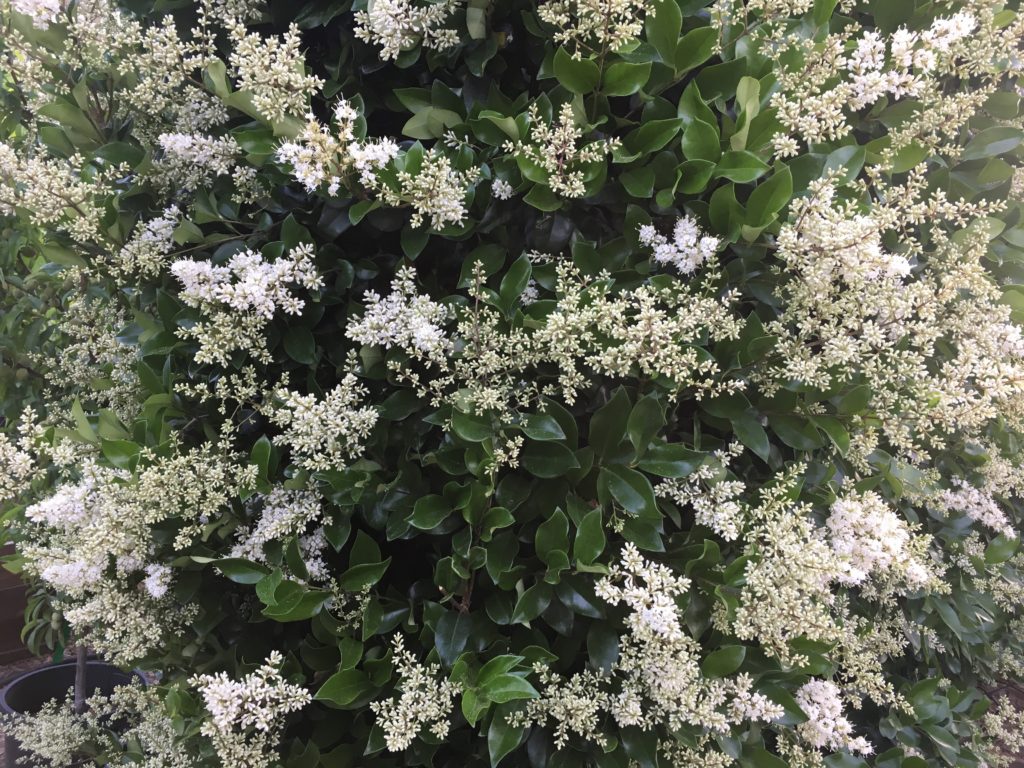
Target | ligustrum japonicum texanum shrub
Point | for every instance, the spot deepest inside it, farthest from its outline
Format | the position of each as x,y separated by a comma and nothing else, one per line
497,382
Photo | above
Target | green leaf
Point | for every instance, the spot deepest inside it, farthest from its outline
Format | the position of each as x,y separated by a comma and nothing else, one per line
662,28
750,432
542,198
645,421
240,570
608,424
504,688
991,142
344,687
625,78
358,577
451,635
769,197
579,76
531,603
741,166
122,454
1000,549
835,430
548,459
514,283
652,135
300,345
259,455
542,426
590,538
639,182
631,489
795,431
856,400
671,460
694,176
499,665
502,738
476,19
552,538
724,661
429,512
695,47
472,427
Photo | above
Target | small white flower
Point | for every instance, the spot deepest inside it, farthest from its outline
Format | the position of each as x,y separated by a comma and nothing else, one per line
501,189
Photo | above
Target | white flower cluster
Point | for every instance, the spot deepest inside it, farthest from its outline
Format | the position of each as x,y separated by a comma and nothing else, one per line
93,541
42,12
977,505
426,700
826,726
57,192
502,190
191,161
871,540
649,590
325,433
590,26
404,319
688,249
247,715
812,102
92,352
241,296
273,72
283,514
17,466
320,155
146,253
715,499
552,146
787,592
657,675
400,25
58,737
436,191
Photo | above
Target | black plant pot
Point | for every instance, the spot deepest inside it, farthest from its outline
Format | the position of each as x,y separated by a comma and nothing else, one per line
27,692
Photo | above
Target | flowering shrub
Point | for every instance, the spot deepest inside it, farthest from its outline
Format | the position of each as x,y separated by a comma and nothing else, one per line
465,383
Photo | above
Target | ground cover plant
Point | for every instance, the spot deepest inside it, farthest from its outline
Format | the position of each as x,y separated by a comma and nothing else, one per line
492,382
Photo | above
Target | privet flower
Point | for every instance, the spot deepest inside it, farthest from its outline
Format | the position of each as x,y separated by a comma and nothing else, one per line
95,543
870,539
58,737
272,71
552,146
399,25
323,433
145,254
241,296
688,249
826,727
425,700
247,715
403,319
285,514
18,467
502,190
327,160
191,161
656,679
42,12
976,504
590,26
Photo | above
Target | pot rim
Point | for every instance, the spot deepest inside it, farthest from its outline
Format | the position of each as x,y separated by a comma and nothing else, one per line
133,675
